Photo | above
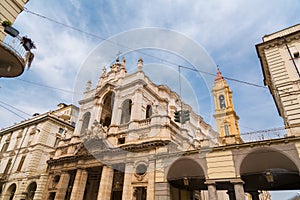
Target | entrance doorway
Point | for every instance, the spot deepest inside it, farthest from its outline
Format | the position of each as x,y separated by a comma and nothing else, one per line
140,193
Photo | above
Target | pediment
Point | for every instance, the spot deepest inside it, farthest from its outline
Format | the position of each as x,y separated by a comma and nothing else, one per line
104,89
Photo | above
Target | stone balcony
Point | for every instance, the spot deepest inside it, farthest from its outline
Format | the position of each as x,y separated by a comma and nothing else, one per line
12,58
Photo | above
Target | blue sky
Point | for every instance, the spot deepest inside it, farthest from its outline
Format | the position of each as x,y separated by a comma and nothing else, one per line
226,30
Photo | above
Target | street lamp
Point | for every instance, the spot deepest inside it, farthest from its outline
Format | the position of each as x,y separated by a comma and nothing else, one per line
269,176
185,181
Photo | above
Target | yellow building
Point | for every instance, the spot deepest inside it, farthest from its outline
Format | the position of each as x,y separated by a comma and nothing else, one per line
226,117
9,10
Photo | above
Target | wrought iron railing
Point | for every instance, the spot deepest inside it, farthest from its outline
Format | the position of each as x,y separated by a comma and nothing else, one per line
15,45
260,135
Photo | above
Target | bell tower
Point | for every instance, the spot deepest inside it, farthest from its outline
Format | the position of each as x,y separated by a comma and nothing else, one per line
225,115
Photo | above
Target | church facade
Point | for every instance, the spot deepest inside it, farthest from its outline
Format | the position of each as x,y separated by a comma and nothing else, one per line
137,140
124,141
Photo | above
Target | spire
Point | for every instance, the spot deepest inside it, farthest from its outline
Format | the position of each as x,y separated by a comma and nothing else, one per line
225,115
88,86
219,75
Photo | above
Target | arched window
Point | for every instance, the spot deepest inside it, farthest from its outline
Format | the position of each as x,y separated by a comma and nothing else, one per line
11,191
85,122
148,111
106,114
222,101
226,129
107,121
31,191
126,111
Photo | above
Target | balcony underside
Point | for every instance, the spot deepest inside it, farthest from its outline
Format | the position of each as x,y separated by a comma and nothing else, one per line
11,64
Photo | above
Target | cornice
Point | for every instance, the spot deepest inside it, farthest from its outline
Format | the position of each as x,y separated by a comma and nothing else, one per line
35,120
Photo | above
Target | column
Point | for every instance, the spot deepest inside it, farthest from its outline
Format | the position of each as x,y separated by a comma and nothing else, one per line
254,195
62,186
239,190
45,193
104,192
162,191
212,190
231,194
151,180
127,187
79,184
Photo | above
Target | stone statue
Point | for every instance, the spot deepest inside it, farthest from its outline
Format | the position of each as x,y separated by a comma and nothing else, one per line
98,130
103,72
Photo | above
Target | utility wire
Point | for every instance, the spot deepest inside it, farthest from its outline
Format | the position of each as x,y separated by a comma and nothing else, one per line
47,86
15,108
65,25
12,111
124,46
242,134
228,78
136,50
183,151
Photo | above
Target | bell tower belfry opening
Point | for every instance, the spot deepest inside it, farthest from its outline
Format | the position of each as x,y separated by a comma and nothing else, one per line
225,115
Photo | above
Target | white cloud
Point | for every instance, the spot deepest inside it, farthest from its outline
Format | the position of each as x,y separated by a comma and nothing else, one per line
228,30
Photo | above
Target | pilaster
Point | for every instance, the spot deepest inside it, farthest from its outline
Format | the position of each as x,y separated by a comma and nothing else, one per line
137,105
62,186
127,187
79,184
151,180
162,191
105,187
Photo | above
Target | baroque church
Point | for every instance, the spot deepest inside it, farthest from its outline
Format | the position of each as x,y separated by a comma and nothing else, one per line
126,140
130,140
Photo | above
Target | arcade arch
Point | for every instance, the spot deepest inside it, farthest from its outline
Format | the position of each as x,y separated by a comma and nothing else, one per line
30,191
10,193
269,169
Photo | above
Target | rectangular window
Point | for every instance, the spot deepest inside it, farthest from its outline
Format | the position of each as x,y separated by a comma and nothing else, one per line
4,148
121,140
60,130
21,163
226,130
294,51
17,143
7,166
